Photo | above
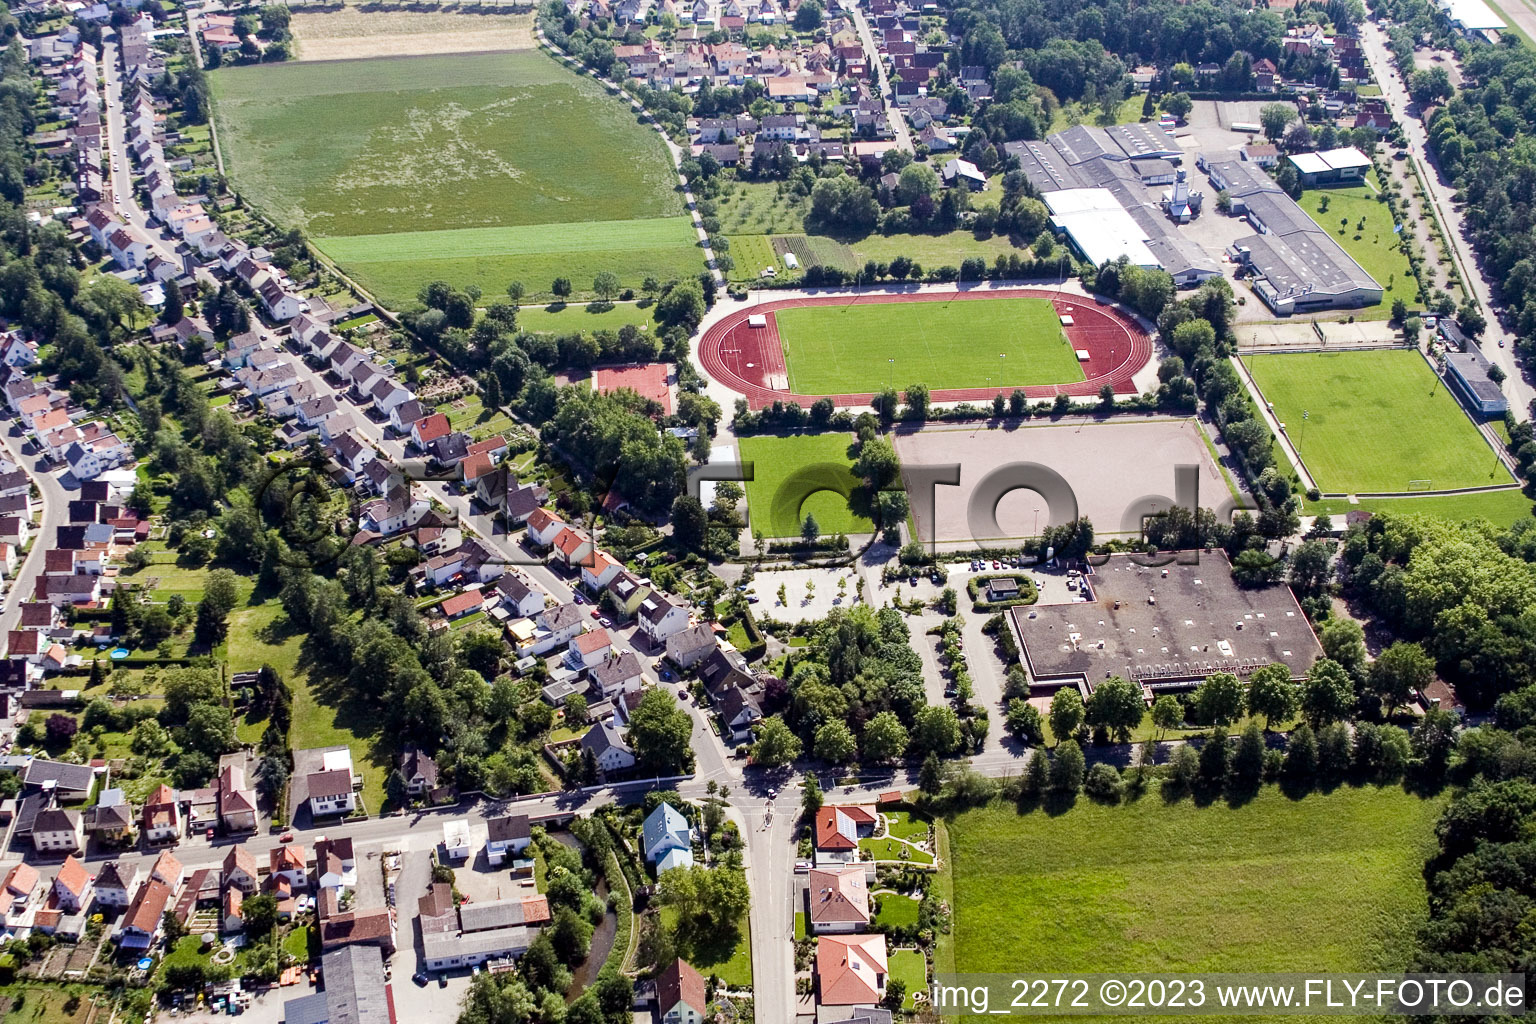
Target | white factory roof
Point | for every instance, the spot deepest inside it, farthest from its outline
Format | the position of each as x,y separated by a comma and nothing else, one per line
1332,159
1471,15
1099,226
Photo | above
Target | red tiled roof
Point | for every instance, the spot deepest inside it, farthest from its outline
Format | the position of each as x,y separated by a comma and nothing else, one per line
430,428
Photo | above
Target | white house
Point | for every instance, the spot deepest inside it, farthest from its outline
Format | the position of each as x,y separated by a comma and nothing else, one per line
456,839
660,617
667,837
509,834
330,788
610,750
589,650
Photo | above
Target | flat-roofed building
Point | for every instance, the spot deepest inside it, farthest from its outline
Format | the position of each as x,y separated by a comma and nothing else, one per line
1163,627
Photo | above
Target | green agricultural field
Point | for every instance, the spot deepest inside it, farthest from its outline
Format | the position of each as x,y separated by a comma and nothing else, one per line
1275,885
394,266
1374,245
1501,508
836,349
1375,421
751,254
778,509
411,151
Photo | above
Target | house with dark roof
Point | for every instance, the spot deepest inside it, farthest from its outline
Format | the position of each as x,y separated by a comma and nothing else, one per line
608,747
419,771
691,646
739,711
509,834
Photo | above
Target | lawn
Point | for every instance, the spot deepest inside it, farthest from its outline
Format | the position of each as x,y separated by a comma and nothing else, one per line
1329,882
1374,246
260,635
1375,421
751,255
930,250
910,967
729,957
778,510
50,1004
576,318
835,349
896,910
893,850
902,825
415,150
395,265
1501,508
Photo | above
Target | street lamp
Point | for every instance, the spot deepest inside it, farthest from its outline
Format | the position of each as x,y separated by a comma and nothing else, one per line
1000,357
1037,522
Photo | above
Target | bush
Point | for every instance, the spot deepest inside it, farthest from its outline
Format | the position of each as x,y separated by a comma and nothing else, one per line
1103,783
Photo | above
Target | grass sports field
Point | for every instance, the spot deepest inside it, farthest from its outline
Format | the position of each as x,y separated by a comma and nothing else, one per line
1274,885
1501,508
408,152
395,266
1363,226
778,499
1375,421
835,349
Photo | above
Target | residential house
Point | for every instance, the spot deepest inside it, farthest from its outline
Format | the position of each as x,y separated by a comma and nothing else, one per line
666,838
739,711
405,415
627,593
237,800
589,650
419,771
839,900
460,605
56,830
139,926
231,911
963,172
610,750
335,864
67,782
161,820
689,647
401,510
240,871
290,863
544,526
509,834
598,570
725,669
519,596
429,428
117,883
851,970
440,569
518,502
618,672
474,933
111,820
556,626
661,618
680,994
838,831
352,454
388,394
72,886
168,870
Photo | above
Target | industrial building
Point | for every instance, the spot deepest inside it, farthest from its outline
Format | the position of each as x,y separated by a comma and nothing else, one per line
1472,18
1096,183
1297,265
1162,627
1346,166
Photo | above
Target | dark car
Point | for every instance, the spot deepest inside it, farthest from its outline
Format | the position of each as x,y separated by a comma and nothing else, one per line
442,981
420,978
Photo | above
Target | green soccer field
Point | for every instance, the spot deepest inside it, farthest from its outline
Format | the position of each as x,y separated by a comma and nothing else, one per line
833,350
799,475
474,168
1374,421
1327,882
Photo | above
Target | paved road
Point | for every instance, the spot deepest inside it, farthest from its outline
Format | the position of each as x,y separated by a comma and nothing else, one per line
872,53
55,508
123,199
1441,191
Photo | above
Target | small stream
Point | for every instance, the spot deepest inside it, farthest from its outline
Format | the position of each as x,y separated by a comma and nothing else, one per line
603,936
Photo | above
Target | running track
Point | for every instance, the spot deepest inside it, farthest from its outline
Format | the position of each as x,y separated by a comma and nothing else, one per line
745,358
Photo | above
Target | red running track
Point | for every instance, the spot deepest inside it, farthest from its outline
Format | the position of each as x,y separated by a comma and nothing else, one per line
745,359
